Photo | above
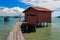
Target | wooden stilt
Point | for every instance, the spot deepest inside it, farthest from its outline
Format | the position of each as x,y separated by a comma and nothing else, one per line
46,24
31,28
43,24
28,30
23,28
40,24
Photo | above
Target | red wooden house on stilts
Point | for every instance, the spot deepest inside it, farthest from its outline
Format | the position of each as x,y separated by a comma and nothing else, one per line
36,15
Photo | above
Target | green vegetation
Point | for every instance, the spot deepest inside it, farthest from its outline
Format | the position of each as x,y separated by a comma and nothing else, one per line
40,34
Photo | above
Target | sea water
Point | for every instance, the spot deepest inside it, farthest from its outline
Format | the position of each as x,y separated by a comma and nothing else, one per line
55,29
6,26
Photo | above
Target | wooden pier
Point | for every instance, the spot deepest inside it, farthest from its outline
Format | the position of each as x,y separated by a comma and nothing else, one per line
15,33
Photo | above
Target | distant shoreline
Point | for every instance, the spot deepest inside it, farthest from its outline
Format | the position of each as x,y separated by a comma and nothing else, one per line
58,17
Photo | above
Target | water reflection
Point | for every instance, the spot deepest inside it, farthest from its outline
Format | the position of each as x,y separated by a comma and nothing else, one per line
55,31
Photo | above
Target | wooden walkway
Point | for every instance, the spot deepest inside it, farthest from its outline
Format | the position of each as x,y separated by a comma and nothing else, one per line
15,33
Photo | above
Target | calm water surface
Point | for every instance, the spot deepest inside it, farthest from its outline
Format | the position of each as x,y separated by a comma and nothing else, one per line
55,29
5,27
7,24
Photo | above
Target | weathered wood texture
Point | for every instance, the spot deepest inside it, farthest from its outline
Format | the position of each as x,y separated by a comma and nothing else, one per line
15,33
34,15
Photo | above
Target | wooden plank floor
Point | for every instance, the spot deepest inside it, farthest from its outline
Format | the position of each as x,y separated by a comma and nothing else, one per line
15,33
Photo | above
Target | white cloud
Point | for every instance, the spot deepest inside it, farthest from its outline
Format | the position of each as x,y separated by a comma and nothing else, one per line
17,9
50,4
11,11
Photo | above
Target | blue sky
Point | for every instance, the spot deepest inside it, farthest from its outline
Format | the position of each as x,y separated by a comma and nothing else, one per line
15,7
12,7
12,3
